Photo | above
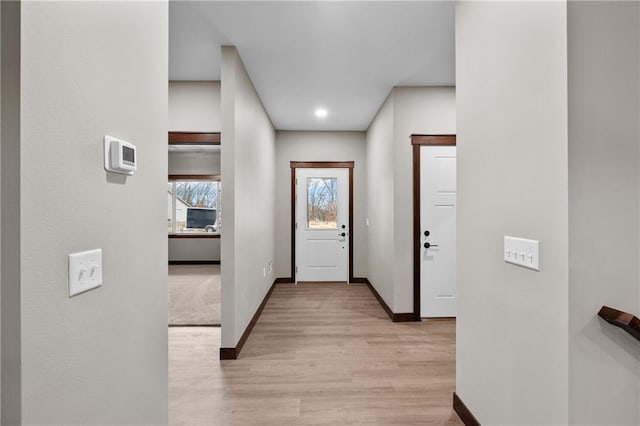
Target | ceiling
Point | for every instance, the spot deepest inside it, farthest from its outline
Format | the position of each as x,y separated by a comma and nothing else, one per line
343,56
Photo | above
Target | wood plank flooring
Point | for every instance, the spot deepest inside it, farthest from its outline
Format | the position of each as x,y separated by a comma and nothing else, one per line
320,354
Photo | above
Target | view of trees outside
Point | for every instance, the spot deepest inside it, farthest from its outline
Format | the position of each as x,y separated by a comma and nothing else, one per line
170,212
201,194
322,198
198,194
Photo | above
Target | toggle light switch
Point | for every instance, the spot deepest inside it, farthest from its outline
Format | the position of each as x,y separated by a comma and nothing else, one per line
85,271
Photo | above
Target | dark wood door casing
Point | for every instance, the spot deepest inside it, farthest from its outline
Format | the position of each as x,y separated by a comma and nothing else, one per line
320,165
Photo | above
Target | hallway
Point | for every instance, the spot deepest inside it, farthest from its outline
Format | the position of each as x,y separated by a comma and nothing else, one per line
319,354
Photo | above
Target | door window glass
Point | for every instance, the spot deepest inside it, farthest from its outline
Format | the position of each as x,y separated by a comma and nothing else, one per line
322,209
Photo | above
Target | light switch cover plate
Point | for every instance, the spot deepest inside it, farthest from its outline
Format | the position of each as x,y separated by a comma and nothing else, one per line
85,271
522,252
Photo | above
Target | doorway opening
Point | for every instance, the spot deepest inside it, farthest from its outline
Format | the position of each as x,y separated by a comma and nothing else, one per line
326,223
422,238
194,208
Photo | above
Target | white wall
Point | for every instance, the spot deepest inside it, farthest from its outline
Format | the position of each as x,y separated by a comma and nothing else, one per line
417,110
604,167
10,385
319,146
379,183
194,163
185,249
100,357
512,327
407,111
248,198
194,106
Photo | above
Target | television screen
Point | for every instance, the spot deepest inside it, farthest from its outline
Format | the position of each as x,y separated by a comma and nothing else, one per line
200,218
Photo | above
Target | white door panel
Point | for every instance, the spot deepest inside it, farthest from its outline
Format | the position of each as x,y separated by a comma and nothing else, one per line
322,219
446,174
438,217
322,254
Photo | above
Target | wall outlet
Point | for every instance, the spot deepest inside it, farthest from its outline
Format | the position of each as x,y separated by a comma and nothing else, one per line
85,271
271,266
264,272
522,252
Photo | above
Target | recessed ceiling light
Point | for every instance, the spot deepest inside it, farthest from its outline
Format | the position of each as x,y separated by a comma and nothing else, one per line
321,112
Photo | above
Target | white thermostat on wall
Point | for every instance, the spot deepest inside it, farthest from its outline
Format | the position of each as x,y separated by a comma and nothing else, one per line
119,156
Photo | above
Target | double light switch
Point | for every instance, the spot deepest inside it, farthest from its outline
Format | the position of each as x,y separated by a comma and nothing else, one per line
85,271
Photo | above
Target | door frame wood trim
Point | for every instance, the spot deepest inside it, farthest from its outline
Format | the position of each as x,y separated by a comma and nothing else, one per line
320,165
194,178
194,138
417,141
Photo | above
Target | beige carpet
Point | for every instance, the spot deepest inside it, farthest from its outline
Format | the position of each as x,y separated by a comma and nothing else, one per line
194,294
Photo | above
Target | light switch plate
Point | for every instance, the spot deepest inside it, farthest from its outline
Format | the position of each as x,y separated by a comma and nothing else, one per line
522,252
85,271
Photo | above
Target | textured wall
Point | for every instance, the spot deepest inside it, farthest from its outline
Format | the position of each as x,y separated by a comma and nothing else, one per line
248,198
380,265
99,357
194,106
511,94
603,209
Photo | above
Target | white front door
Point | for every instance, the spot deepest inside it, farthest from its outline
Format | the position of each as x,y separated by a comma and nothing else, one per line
322,220
438,231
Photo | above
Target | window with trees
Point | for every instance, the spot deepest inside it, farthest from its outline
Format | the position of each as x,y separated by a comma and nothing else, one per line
322,196
193,205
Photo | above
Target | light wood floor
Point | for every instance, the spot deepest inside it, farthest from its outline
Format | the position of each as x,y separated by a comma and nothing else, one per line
321,354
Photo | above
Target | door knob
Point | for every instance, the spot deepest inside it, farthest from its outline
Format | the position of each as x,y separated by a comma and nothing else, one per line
427,245
427,233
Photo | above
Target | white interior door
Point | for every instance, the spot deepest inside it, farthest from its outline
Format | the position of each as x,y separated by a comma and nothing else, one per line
322,220
438,229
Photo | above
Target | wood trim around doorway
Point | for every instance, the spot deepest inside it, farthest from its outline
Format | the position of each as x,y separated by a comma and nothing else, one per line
319,165
436,140
417,141
194,138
